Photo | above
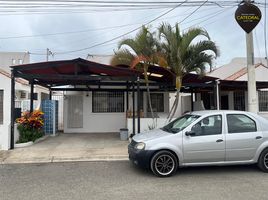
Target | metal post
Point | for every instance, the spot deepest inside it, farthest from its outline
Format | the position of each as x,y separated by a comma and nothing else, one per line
139,105
217,94
127,96
252,94
50,95
133,108
32,96
192,100
12,110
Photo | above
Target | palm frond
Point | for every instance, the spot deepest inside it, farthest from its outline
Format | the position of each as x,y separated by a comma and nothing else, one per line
122,57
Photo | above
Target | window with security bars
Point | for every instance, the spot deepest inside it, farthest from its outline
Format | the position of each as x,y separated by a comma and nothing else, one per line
239,100
157,100
263,101
1,106
107,102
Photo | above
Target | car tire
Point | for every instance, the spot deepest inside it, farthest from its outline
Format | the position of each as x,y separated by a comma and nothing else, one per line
164,163
263,161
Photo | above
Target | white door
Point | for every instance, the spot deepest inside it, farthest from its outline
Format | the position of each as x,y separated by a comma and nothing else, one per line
243,137
75,112
205,142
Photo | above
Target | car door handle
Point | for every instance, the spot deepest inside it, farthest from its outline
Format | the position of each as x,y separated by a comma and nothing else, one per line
219,140
258,137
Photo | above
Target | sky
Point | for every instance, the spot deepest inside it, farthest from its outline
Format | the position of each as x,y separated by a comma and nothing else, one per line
96,27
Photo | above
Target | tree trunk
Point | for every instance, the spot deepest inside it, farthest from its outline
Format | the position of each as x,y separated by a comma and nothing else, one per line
149,96
176,101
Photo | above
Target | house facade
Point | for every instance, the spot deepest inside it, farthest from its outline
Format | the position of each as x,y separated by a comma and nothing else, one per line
22,93
236,70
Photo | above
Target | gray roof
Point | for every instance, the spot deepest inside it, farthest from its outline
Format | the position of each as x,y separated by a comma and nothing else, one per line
233,67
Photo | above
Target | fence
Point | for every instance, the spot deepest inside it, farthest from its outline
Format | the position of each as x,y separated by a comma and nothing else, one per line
59,98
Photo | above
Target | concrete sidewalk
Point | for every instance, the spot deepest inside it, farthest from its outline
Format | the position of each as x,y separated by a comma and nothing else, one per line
70,147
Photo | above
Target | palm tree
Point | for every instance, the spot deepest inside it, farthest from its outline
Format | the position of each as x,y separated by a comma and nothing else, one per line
183,55
139,53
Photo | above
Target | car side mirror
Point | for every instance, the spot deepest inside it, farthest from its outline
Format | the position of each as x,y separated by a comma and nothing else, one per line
190,133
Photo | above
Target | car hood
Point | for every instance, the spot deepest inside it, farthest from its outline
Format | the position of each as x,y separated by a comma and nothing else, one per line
150,135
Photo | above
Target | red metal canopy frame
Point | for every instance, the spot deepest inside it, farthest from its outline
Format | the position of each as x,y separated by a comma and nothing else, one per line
77,72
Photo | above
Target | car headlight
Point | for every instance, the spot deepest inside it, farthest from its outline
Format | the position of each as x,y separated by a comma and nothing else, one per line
140,146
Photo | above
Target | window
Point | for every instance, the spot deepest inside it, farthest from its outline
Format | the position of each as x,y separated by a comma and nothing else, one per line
238,123
105,102
239,100
263,101
157,100
20,61
180,123
13,61
211,125
1,106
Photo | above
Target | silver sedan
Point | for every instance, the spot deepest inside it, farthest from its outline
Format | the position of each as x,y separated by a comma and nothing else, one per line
203,138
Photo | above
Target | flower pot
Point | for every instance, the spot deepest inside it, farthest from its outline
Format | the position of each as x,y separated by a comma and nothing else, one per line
21,145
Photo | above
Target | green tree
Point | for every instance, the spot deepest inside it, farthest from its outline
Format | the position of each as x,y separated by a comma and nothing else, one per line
139,53
184,55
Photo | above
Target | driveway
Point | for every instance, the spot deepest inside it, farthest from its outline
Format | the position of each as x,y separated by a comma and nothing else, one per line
70,147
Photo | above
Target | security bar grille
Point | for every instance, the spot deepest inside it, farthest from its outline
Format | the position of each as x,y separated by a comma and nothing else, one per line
108,102
239,100
263,101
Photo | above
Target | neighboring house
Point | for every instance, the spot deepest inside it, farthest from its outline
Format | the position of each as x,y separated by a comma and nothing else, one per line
8,59
236,70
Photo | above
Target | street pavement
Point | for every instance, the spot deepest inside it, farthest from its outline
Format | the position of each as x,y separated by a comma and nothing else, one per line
116,180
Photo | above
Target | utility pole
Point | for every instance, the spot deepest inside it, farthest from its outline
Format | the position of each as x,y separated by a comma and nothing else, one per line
49,53
252,93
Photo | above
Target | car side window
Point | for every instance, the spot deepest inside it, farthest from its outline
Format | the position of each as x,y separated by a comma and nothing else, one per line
211,125
239,123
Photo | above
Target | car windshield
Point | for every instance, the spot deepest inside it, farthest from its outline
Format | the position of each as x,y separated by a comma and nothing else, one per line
180,123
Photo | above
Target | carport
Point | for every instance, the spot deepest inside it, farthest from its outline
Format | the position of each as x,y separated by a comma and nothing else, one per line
85,75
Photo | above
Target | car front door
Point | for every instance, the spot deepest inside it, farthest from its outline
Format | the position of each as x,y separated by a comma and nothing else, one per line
243,137
205,142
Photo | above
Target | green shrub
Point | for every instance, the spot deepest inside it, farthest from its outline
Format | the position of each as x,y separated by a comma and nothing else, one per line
28,134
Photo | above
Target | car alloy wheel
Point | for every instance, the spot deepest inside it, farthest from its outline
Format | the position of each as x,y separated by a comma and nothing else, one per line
164,163
265,161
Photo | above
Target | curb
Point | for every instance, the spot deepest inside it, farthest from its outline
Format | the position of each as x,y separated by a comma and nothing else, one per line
64,160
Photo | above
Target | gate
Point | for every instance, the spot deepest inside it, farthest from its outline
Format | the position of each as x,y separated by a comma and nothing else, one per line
60,98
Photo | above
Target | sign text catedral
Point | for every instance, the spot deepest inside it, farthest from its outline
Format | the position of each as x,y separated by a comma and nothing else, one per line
248,16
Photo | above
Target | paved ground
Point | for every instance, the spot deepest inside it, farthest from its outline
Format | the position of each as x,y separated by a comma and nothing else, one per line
120,180
70,147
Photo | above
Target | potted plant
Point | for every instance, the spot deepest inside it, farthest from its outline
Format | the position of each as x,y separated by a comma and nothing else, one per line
30,127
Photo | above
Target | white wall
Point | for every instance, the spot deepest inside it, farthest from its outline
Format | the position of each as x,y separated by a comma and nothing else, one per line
94,122
6,59
184,103
4,128
145,123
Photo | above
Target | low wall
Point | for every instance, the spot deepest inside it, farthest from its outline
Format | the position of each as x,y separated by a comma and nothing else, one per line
146,123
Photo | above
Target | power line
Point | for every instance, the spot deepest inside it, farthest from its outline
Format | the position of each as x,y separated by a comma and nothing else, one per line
55,6
193,12
122,35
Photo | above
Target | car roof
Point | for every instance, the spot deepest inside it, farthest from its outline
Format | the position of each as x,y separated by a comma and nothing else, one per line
208,112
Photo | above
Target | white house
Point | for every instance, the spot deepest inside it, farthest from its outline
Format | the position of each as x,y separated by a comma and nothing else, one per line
8,59
236,70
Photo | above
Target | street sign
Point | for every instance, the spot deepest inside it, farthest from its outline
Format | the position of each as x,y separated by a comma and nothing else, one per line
248,16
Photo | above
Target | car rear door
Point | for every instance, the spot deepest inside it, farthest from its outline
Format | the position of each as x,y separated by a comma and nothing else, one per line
208,143
243,137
